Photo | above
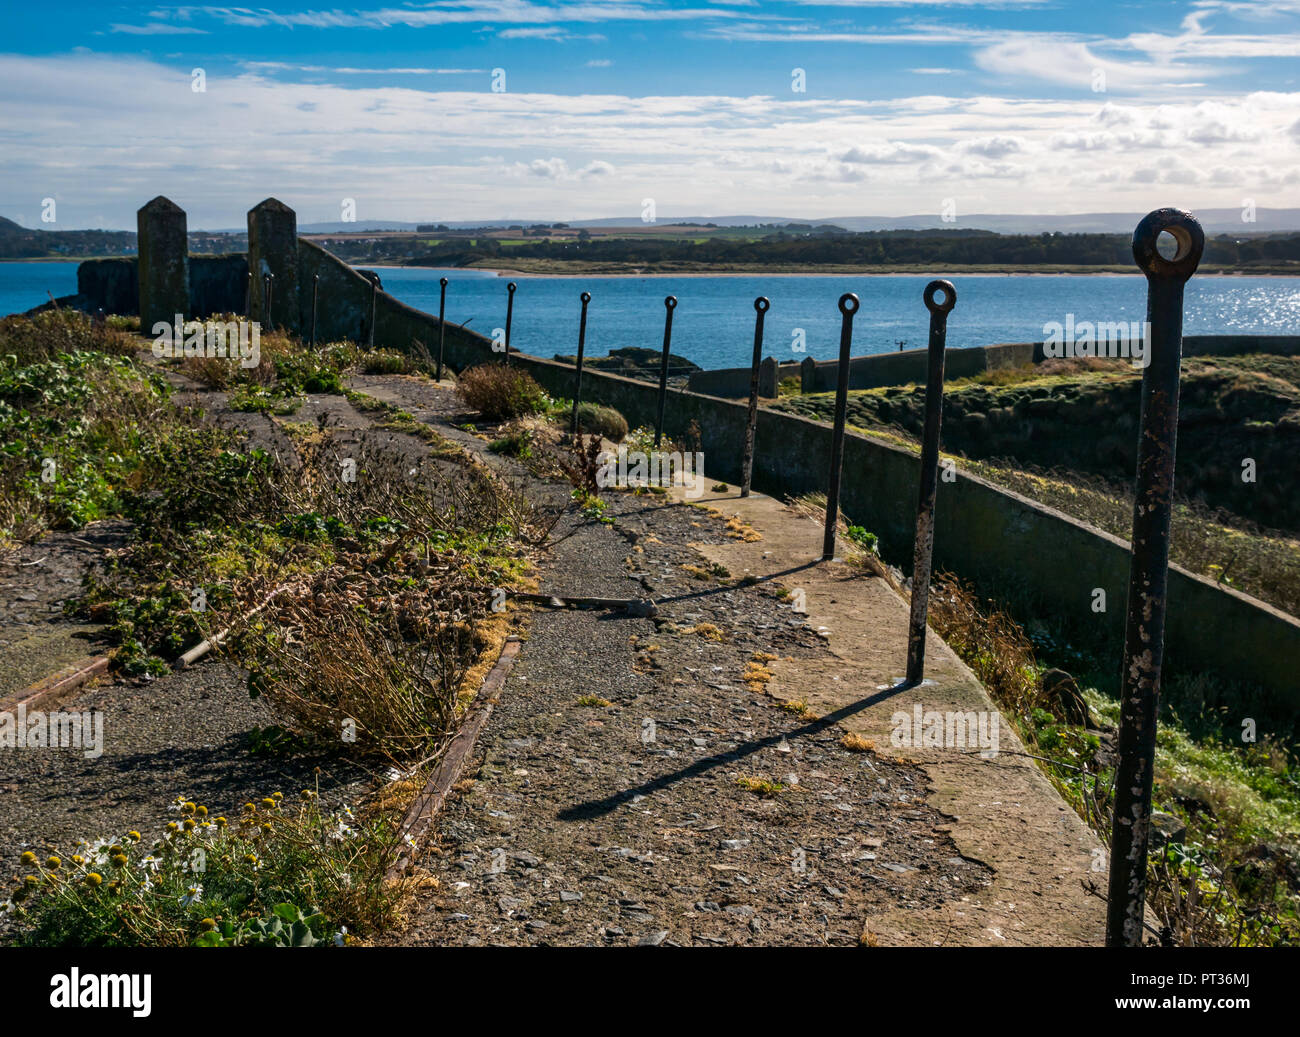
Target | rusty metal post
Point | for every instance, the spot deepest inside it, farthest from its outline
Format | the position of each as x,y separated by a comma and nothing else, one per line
848,307
442,321
374,308
670,304
582,342
248,296
266,302
929,475
510,312
1144,631
761,306
315,289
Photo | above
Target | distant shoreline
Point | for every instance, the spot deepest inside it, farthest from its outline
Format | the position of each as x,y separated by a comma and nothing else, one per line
546,269
835,271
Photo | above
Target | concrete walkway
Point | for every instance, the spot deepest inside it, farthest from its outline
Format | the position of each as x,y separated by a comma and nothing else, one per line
1003,810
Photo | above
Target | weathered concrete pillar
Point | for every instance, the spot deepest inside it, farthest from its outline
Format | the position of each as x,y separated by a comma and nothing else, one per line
767,377
808,375
273,249
164,262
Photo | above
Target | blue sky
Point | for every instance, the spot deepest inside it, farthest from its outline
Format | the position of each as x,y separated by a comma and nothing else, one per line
904,108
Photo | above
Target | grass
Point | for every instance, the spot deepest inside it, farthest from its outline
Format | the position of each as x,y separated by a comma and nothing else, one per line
594,702
1232,880
275,875
1228,549
500,392
761,787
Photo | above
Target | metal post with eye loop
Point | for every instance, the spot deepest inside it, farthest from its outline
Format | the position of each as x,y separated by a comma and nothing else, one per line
510,313
374,310
940,297
585,297
442,321
315,289
670,304
761,306
248,296
268,289
848,305
1144,629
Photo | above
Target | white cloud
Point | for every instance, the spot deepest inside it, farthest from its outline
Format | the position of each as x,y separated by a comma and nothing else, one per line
157,29
995,147
104,134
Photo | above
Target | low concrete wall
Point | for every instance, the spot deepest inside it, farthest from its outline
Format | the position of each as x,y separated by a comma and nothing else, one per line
217,284
733,382
343,312
109,284
909,366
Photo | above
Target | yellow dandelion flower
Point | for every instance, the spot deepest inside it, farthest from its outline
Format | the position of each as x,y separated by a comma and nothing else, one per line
134,836
52,863
94,879
120,860
202,811
188,808
28,857
221,822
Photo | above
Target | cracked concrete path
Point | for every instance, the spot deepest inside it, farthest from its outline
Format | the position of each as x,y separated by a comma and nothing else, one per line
1003,811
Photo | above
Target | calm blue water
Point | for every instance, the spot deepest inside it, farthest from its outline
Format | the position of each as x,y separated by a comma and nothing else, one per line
714,320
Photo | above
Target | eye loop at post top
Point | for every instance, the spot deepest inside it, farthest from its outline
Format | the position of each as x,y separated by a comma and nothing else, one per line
1184,228
849,303
949,296
671,302
585,297
762,304
511,287
442,281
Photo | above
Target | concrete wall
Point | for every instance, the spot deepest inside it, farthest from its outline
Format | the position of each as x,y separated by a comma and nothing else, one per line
343,312
733,382
909,366
110,285
217,284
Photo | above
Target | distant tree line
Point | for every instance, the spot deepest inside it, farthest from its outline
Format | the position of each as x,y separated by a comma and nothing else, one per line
873,248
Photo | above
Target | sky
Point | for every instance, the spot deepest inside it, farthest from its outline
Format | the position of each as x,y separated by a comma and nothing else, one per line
481,109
